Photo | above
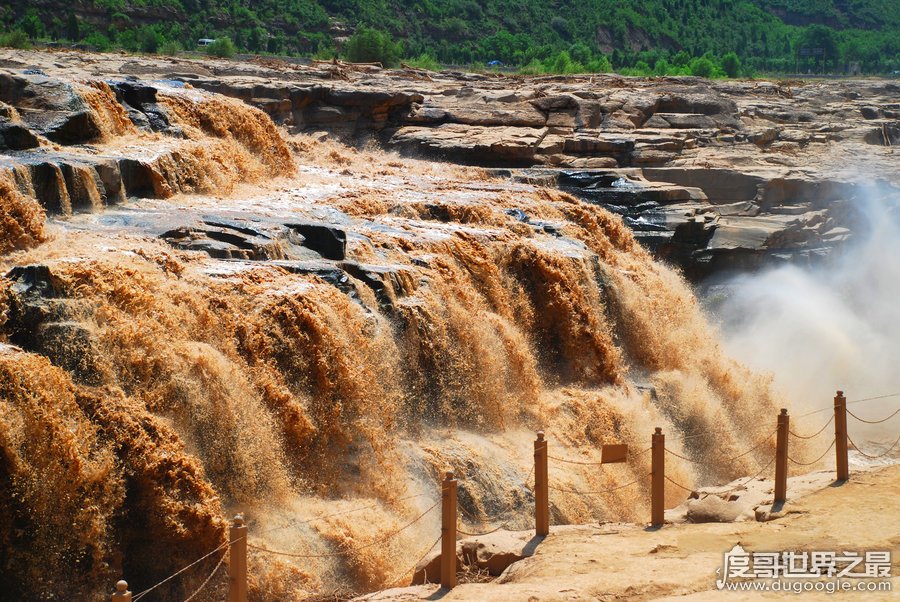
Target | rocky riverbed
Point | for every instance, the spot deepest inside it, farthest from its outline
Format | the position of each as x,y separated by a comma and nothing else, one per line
712,175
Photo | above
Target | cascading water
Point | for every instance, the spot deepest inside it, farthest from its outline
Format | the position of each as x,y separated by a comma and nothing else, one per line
163,390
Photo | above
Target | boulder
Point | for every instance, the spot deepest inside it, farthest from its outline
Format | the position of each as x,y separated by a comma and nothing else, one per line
685,121
704,103
886,135
227,239
50,107
870,112
14,136
328,241
713,509
494,553
388,282
523,115
42,320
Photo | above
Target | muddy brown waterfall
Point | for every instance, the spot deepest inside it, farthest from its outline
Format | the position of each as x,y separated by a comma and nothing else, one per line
155,380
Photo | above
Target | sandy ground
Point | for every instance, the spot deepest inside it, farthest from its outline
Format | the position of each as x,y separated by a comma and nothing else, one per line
629,562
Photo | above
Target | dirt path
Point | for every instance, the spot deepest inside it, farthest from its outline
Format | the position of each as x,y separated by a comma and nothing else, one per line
627,562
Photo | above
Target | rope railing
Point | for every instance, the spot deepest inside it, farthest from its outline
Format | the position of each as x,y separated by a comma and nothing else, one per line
467,533
873,398
816,461
677,484
450,518
400,576
745,483
143,593
506,512
816,434
871,457
679,456
732,459
754,448
855,401
603,491
580,463
208,579
874,421
347,550
295,523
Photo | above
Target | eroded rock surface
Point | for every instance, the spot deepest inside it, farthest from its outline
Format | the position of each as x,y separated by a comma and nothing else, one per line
712,176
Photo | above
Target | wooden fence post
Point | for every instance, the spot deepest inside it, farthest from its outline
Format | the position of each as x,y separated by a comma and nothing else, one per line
658,476
121,594
237,560
781,456
840,436
448,531
541,487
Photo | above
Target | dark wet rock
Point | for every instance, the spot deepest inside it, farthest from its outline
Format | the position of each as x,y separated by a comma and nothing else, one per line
518,214
870,112
886,135
388,282
140,102
73,128
42,320
50,107
328,241
140,179
224,239
50,187
15,136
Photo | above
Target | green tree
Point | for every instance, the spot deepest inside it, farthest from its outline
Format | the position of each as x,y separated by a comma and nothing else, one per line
731,64
98,41
32,25
702,67
222,48
73,31
372,46
819,37
15,39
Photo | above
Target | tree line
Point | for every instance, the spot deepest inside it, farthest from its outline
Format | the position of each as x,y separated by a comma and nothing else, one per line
710,38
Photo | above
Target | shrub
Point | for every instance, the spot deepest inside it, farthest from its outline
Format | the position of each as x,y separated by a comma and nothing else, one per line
149,39
425,61
702,67
128,40
170,48
731,64
222,48
98,41
372,46
562,63
535,67
15,39
600,64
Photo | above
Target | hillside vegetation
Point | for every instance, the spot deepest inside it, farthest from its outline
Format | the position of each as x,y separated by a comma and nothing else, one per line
646,36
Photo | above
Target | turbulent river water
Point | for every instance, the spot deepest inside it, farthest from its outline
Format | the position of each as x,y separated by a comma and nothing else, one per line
148,394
